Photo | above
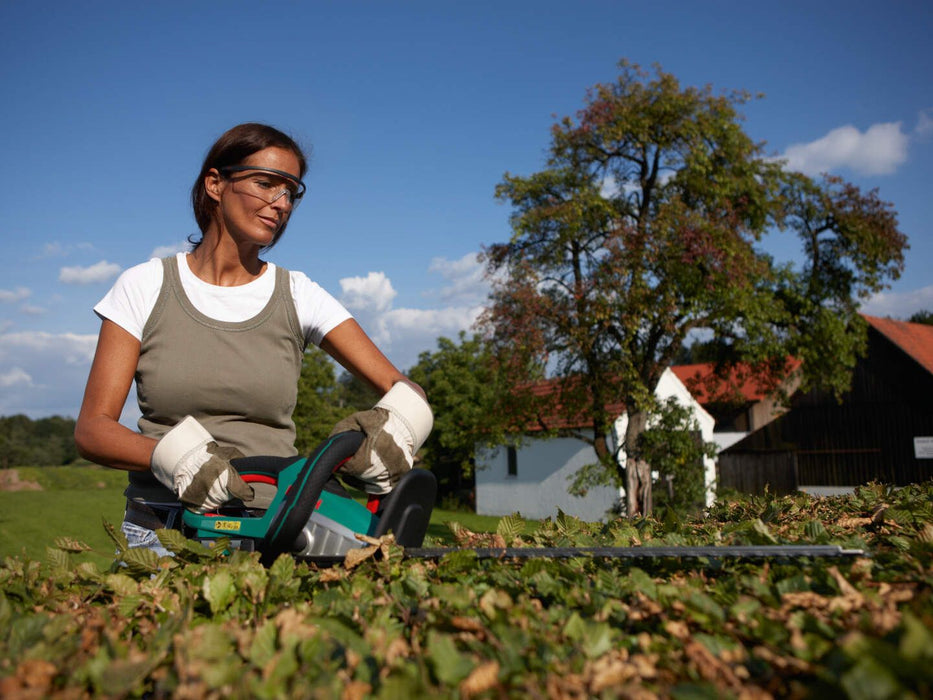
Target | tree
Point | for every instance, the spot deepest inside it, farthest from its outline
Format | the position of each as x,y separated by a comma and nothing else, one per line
673,445
470,406
43,442
923,316
645,227
320,403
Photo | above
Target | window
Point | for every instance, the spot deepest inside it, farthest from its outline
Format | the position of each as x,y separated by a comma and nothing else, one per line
513,461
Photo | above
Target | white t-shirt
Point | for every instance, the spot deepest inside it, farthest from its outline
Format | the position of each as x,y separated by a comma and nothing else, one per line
133,296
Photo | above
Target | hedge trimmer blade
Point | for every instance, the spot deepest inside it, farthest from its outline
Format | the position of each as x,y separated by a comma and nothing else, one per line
734,552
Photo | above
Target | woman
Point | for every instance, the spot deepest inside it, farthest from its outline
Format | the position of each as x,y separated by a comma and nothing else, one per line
214,339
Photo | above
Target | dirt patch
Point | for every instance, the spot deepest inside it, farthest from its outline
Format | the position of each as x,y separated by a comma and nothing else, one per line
10,481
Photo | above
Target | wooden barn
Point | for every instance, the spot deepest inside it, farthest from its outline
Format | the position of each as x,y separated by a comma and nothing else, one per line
881,431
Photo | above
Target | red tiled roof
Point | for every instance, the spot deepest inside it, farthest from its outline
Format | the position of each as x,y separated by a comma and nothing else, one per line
701,381
707,386
555,418
916,339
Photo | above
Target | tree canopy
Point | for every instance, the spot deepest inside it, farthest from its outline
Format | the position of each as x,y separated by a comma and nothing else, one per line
36,443
471,406
324,399
646,226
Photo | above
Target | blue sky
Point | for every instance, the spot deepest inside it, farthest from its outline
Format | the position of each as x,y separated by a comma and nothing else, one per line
413,112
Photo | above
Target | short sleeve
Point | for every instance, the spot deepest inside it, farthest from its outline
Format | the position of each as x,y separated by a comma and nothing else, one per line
132,297
318,312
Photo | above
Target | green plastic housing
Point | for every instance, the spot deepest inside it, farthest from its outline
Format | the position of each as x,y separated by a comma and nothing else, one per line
345,511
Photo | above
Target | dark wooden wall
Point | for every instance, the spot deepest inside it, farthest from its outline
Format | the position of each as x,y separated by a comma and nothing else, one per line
867,437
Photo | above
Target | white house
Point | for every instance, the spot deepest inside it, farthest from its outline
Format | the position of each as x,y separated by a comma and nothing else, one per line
534,479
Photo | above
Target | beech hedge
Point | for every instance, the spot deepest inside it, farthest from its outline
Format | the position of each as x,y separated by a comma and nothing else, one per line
205,624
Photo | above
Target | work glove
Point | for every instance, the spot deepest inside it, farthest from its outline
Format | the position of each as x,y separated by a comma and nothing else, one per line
197,469
395,429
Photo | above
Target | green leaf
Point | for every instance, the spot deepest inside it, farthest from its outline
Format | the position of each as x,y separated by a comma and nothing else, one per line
121,584
510,527
58,559
917,640
764,534
262,648
141,560
869,680
129,604
816,532
457,562
594,638
172,540
283,569
219,591
448,664
696,691
88,571
115,534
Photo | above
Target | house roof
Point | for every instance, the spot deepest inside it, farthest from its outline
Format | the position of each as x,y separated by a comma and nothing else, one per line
737,383
709,384
915,339
555,418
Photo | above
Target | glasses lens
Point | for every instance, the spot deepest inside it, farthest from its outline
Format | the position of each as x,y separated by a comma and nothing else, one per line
268,186
269,190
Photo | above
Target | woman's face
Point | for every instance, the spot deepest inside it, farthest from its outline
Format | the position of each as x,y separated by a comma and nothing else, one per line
243,210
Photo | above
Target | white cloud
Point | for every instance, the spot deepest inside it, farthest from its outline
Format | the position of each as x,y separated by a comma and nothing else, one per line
877,151
373,293
31,310
402,334
70,348
9,296
465,277
900,305
409,332
14,376
924,124
98,272
163,251
609,187
42,373
55,249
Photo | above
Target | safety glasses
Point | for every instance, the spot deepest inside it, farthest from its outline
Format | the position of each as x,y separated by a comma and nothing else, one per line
267,184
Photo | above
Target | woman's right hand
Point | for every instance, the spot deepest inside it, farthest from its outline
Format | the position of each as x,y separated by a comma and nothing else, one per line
196,469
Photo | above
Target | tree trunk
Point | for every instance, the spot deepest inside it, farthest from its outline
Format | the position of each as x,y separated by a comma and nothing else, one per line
637,472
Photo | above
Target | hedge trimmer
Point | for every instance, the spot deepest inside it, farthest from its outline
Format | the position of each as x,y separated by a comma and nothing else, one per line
313,518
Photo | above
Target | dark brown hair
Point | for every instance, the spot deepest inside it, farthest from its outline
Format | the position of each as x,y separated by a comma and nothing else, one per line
232,148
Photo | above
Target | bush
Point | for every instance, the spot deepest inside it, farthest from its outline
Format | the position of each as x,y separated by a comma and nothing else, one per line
208,624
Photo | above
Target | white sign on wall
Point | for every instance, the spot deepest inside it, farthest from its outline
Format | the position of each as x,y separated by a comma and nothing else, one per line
923,447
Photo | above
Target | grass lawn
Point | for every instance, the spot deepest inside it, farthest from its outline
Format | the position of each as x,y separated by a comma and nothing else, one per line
75,501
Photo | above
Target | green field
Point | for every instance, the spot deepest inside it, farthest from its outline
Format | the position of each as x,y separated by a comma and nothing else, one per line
74,502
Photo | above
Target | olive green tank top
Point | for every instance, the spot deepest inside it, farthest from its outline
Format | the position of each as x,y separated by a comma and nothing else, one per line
238,379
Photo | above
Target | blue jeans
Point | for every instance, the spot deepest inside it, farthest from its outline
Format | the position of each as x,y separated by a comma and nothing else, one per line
138,536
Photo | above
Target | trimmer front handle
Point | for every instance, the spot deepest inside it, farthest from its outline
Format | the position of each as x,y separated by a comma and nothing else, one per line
299,486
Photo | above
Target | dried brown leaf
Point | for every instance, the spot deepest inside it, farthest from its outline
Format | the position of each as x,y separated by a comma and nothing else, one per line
610,671
853,522
677,629
356,690
355,557
482,678
34,676
466,624
709,667
845,587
